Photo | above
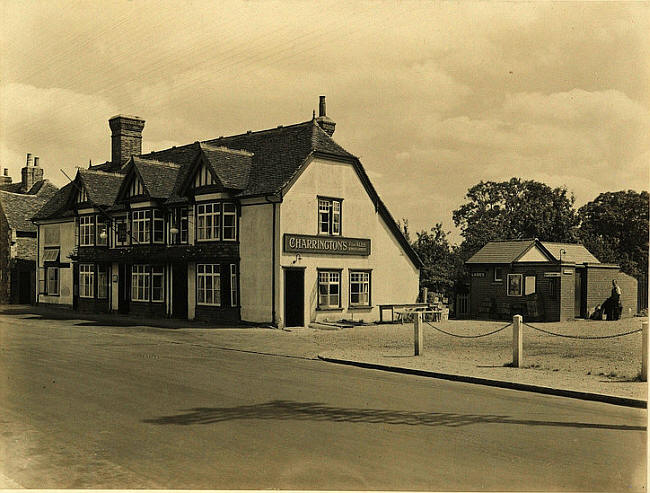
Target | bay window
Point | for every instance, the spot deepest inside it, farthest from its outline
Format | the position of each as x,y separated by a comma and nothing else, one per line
86,280
140,283
208,284
141,226
102,232
158,227
229,221
208,221
86,230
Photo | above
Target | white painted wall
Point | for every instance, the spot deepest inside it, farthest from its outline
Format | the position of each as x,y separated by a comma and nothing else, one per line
255,250
394,277
66,245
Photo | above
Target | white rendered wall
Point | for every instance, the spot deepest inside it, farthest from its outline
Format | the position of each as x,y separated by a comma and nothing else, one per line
255,250
394,277
66,245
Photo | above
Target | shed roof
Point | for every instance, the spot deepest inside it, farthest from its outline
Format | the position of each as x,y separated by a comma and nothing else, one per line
509,251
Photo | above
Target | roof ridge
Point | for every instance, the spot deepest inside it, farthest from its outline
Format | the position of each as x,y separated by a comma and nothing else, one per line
34,195
99,171
226,149
249,132
158,163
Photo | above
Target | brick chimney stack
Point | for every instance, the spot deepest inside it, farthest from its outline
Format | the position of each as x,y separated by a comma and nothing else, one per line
126,138
31,173
323,120
5,179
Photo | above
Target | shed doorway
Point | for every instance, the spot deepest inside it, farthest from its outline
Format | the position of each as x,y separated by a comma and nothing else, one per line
580,294
294,297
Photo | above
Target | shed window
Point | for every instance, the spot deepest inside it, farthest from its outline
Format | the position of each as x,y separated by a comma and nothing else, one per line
529,285
515,282
498,274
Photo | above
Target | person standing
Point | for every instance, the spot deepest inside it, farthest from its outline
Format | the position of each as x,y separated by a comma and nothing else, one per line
616,307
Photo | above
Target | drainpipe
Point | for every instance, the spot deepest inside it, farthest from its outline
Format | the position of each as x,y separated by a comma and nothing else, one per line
274,200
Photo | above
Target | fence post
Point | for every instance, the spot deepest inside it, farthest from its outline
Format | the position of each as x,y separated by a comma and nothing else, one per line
517,342
644,355
417,334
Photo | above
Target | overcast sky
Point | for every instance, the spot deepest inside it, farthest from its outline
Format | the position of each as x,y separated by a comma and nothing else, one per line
432,96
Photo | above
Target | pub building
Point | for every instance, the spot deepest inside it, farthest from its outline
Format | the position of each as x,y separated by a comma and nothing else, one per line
279,226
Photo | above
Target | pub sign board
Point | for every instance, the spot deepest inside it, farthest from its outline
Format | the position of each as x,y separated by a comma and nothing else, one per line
326,245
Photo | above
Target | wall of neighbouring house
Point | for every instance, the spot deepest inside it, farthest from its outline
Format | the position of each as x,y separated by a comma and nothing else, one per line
5,248
67,246
255,250
394,277
599,288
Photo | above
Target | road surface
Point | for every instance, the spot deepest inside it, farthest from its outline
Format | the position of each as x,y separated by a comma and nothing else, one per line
87,406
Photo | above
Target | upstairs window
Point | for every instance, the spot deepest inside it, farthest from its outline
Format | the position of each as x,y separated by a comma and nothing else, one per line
208,221
86,230
120,231
329,216
229,221
179,221
158,227
51,235
102,231
141,226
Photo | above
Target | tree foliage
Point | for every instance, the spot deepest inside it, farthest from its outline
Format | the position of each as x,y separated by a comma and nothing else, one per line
615,229
515,209
441,262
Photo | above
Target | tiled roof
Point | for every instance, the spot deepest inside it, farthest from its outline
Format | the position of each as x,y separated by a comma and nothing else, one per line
12,187
572,252
232,167
20,207
506,252
57,204
159,178
102,187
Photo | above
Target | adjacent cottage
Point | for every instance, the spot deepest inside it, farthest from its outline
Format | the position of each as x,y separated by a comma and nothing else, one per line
18,245
543,281
278,226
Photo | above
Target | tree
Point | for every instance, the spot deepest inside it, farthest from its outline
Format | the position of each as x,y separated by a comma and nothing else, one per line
515,209
614,228
440,264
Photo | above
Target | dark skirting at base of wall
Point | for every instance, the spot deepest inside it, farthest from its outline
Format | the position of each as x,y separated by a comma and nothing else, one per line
92,305
217,314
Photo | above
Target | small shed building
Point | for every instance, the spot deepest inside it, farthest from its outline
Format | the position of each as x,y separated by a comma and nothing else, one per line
543,281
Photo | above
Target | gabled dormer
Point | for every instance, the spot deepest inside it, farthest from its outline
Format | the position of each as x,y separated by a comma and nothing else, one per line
204,176
133,188
81,197
136,188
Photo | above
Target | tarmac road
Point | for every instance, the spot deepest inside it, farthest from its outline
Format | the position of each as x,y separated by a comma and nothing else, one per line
86,406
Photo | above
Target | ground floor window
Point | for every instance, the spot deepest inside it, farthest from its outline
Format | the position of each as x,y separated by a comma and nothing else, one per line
359,288
140,282
208,285
102,283
515,282
86,280
233,285
52,281
329,289
157,283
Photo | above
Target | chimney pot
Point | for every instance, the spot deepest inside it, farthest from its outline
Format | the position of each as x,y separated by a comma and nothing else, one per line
6,172
321,107
36,160
29,159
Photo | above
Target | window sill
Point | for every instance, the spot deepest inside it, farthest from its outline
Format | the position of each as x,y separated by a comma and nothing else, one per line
209,306
360,307
333,309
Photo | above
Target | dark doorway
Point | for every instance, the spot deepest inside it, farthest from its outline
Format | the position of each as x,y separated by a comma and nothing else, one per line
123,289
580,294
179,291
294,297
24,287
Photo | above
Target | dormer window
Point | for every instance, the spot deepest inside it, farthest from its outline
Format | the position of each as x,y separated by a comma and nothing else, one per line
329,216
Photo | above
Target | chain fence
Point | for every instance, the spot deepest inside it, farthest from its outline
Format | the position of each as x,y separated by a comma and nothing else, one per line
468,337
567,336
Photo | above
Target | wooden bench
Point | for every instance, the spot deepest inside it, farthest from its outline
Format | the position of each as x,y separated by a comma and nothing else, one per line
408,307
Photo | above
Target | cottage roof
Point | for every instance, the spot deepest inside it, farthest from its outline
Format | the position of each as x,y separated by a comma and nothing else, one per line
20,207
232,167
56,205
509,251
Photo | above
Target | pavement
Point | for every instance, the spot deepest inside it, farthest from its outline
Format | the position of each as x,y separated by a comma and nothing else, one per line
92,405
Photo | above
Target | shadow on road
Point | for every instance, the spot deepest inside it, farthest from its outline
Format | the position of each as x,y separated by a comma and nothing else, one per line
313,411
